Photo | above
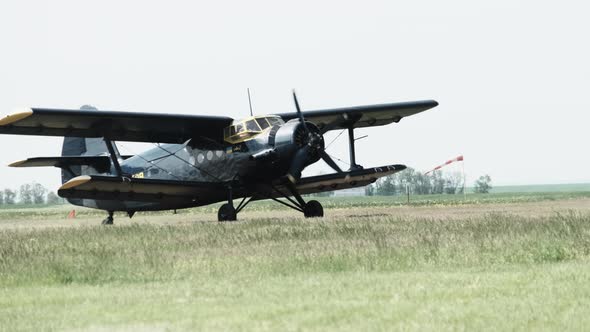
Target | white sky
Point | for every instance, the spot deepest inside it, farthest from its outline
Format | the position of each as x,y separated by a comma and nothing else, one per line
511,76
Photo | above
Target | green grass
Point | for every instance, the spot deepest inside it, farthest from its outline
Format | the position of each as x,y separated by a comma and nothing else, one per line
493,272
547,188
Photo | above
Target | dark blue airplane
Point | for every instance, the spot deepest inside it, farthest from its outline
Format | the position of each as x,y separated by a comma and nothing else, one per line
200,160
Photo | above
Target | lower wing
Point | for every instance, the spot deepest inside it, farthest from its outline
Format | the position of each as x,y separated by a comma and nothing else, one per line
202,193
141,190
344,180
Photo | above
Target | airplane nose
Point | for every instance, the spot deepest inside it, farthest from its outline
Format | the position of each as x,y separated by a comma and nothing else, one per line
311,146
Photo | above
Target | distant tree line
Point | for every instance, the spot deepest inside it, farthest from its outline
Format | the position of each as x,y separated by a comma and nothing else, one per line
437,182
29,194
419,183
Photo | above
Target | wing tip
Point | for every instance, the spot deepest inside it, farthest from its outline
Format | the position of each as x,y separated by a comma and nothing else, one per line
16,116
75,182
17,163
431,103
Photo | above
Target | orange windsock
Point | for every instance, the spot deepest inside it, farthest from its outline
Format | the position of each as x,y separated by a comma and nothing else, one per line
459,158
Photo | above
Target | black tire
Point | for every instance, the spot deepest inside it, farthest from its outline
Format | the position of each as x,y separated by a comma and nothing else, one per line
227,213
313,209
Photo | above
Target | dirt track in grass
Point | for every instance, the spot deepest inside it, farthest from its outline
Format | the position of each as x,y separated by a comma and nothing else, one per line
58,217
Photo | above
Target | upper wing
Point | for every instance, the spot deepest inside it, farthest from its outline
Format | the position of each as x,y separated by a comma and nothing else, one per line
117,126
362,116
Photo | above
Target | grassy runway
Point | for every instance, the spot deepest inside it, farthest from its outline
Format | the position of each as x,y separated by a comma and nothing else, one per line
496,264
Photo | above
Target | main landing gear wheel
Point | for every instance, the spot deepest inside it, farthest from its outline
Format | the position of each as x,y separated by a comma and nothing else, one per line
109,220
227,213
313,209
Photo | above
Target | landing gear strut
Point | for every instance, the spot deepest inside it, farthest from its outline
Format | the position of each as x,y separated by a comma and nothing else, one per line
109,220
227,212
311,209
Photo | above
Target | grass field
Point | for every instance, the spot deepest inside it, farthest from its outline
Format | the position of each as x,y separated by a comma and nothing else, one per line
496,262
547,188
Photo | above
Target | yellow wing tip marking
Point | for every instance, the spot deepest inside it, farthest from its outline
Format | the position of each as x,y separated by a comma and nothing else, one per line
17,163
292,178
75,182
16,116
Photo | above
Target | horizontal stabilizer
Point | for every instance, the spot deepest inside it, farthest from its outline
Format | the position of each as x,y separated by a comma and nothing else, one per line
98,161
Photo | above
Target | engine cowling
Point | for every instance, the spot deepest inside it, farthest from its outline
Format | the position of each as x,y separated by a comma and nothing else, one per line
292,137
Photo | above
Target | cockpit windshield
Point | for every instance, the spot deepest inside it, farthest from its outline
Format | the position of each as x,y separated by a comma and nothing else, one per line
247,129
251,125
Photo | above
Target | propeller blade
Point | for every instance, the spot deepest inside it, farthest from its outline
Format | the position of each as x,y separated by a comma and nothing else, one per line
298,164
326,157
299,113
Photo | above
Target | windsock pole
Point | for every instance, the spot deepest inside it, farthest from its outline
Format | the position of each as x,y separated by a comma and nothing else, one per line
464,180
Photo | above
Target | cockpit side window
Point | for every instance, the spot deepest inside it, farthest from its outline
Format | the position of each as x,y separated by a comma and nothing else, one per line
240,128
274,121
262,123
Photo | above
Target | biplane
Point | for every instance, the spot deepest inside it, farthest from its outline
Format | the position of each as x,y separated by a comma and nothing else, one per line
199,160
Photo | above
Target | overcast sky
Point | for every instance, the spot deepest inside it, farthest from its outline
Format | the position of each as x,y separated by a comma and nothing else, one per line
511,77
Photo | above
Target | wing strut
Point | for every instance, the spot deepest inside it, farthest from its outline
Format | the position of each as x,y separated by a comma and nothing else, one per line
114,157
351,140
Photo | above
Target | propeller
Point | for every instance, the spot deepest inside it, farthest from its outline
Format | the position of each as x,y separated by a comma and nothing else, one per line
299,113
313,143
326,157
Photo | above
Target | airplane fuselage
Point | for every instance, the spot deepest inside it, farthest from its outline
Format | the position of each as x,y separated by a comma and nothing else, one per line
181,162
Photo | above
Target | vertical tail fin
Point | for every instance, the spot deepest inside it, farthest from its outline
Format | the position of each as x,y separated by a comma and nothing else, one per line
76,146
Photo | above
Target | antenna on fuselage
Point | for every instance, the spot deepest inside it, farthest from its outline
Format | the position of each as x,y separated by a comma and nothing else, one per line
250,102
